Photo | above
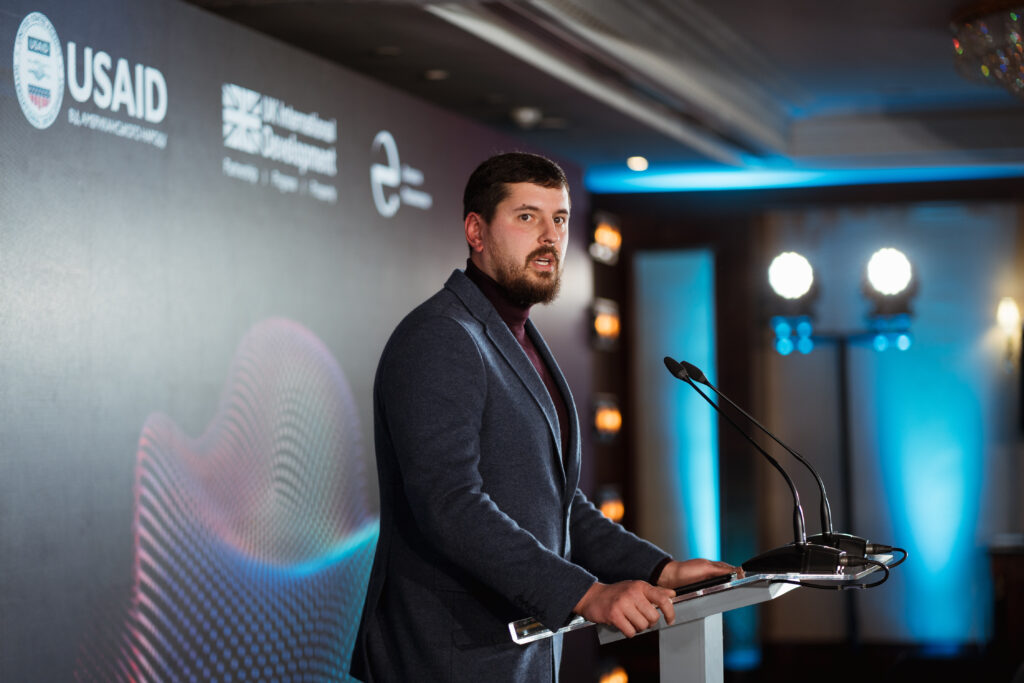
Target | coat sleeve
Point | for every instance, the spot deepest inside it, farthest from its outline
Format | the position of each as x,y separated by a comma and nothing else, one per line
607,549
430,393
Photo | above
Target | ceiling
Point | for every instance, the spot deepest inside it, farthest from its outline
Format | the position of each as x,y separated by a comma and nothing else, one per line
692,85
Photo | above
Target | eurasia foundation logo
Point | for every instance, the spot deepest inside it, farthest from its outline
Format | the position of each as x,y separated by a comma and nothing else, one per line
38,70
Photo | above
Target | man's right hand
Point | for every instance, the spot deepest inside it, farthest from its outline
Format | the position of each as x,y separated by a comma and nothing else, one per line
630,606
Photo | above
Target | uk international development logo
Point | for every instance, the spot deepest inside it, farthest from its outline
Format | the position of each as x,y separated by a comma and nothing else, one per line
38,70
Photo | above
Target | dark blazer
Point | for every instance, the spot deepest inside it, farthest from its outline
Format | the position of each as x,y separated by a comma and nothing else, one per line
481,523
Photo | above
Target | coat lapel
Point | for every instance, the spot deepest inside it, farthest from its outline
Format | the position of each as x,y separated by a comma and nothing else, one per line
571,461
503,340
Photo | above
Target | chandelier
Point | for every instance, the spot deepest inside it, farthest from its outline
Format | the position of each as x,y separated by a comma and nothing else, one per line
988,43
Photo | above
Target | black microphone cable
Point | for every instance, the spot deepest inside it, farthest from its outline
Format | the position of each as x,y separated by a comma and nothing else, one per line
879,549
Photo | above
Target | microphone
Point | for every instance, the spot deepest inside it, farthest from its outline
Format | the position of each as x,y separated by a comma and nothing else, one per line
847,542
799,557
853,545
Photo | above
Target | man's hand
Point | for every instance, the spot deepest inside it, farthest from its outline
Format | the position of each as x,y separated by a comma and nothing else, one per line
629,606
677,573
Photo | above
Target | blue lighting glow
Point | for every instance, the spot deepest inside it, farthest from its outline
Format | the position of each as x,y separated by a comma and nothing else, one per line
743,659
932,461
675,316
881,342
804,328
671,178
784,346
903,342
805,345
782,328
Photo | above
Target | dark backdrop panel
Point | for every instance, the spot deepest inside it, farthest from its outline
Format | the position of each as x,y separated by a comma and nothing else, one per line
186,357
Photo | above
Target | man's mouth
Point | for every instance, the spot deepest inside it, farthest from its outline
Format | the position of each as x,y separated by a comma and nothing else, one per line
545,261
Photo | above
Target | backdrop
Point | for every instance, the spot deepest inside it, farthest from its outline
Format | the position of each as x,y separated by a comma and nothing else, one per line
205,239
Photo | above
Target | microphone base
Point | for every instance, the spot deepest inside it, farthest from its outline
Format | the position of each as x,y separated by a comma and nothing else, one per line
796,558
854,546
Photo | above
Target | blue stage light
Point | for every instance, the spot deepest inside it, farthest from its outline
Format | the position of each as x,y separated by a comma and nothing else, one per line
784,346
881,342
782,328
903,342
804,329
805,345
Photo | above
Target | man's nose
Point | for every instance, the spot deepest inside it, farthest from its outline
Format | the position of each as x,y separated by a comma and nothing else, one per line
550,233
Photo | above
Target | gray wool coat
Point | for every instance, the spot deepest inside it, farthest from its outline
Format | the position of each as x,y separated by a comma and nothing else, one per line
482,522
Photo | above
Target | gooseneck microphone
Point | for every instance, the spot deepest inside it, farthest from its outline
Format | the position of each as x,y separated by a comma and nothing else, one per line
855,546
800,557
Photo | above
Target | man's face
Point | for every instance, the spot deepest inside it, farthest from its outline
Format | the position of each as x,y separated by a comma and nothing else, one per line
523,245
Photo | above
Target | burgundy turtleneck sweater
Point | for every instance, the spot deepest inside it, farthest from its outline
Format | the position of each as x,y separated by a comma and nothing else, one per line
515,317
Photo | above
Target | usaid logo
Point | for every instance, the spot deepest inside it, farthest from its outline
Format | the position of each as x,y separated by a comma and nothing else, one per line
138,90
38,70
393,184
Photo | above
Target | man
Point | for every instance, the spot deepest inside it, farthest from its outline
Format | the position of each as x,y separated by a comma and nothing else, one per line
478,459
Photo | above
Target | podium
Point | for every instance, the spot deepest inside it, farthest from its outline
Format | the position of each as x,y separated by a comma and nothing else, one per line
690,650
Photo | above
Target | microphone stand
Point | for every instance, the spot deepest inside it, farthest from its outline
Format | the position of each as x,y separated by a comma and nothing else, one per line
799,557
854,545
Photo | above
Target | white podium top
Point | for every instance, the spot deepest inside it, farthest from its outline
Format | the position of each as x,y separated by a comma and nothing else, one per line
750,590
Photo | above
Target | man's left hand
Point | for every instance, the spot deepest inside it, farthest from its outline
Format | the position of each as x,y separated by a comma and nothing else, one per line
678,573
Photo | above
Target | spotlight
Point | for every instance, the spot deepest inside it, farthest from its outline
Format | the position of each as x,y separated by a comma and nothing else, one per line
607,239
605,324
607,417
790,275
890,285
889,271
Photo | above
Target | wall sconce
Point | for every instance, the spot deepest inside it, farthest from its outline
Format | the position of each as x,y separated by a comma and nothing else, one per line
616,675
607,239
605,324
609,502
607,417
1008,317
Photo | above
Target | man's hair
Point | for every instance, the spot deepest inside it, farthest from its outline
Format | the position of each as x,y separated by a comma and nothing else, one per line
488,184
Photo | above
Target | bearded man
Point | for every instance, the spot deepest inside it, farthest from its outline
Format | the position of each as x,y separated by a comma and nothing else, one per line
478,458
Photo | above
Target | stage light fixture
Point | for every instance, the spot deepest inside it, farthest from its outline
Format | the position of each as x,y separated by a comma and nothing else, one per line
605,324
889,271
890,285
790,275
607,239
792,279
607,417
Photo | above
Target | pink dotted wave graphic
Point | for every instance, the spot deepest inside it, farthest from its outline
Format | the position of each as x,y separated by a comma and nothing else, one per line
253,542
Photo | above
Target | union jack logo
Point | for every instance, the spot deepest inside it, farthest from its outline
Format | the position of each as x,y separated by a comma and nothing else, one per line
242,118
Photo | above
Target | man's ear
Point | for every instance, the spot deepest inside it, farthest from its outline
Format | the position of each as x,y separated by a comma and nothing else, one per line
474,231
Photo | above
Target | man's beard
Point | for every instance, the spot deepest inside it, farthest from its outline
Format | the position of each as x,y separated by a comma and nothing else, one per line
523,289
